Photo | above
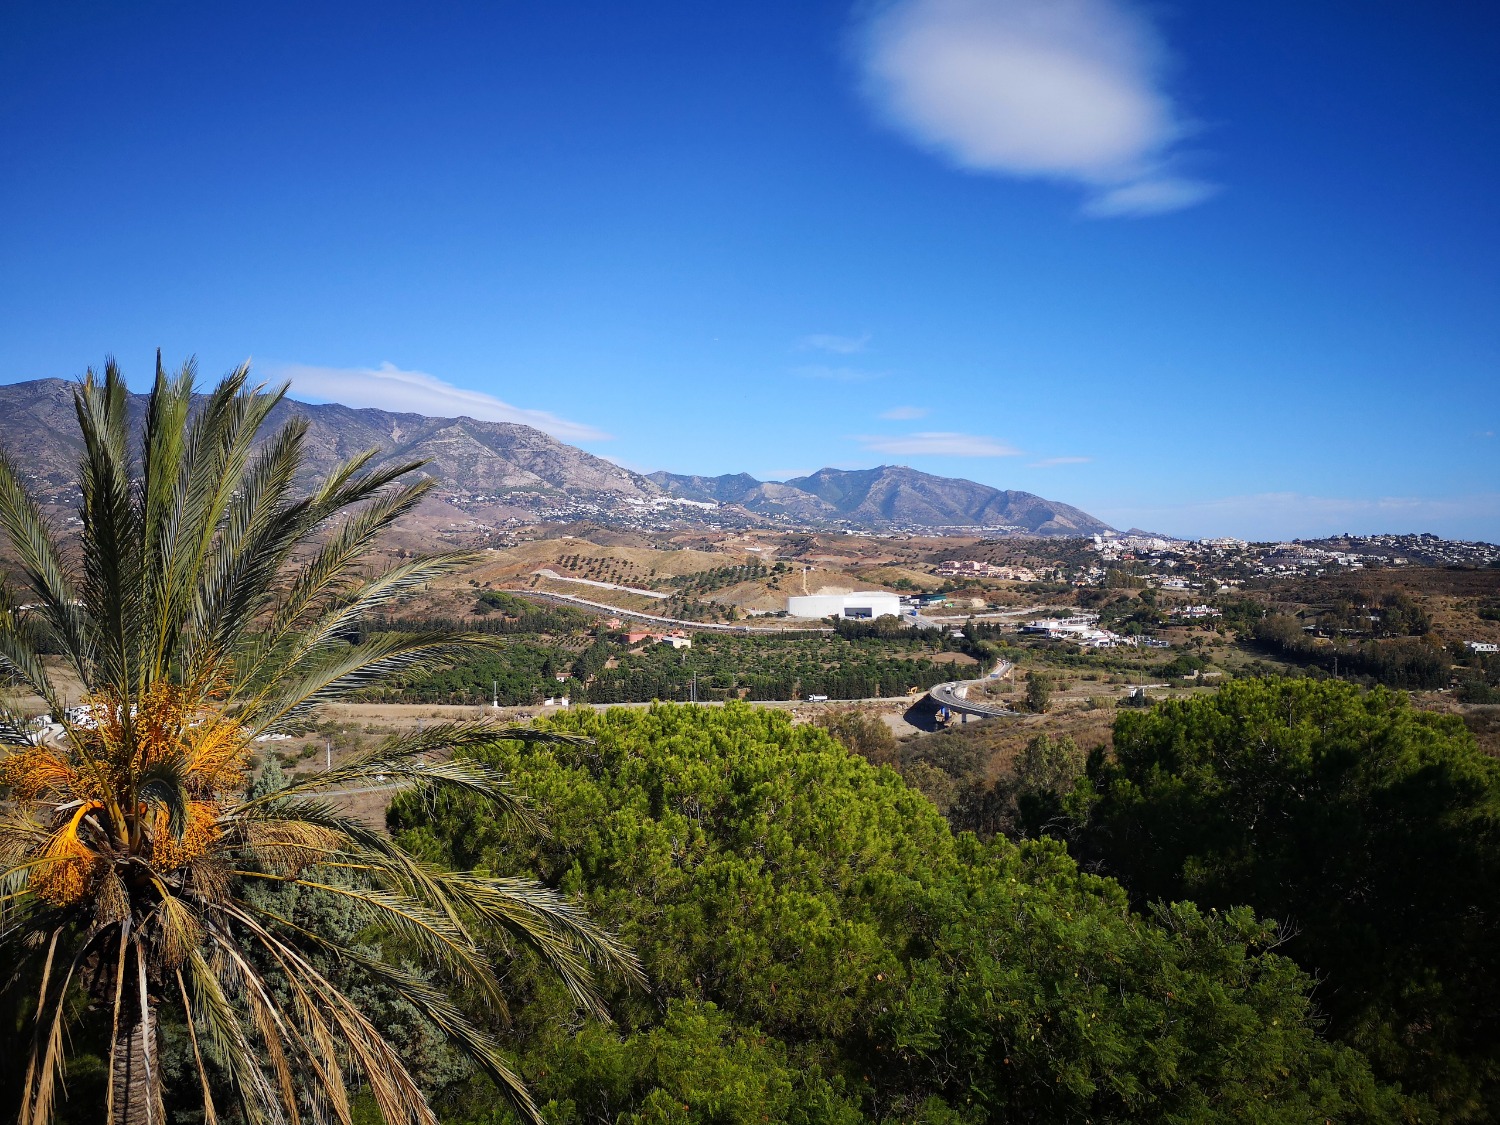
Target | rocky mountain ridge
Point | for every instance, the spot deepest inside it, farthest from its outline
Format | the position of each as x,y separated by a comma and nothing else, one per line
499,472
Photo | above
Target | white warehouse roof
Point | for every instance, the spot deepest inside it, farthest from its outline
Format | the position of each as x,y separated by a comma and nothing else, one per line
871,604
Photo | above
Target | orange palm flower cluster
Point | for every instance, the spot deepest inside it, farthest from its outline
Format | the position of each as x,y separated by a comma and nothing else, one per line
99,788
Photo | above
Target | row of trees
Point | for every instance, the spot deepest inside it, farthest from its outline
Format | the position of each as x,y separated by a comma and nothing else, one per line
498,612
853,665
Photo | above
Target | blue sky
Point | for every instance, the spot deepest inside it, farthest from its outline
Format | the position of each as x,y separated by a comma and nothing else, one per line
1203,267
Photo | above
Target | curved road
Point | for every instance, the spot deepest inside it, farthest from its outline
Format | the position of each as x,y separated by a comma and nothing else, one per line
952,695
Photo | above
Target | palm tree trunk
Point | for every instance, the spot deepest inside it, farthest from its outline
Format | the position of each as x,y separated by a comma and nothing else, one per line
135,1085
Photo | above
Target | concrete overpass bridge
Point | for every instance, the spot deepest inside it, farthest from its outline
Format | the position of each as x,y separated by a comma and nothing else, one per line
953,695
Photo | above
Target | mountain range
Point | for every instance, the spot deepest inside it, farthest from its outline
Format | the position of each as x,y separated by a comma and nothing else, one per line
492,472
888,496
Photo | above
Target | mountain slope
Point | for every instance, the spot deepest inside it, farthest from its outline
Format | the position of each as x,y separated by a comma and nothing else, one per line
496,471
895,494
731,488
888,496
466,456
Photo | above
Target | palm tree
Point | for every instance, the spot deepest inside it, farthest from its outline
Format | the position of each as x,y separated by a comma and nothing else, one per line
209,603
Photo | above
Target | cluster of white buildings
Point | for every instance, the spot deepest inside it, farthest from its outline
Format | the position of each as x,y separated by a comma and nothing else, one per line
1082,629
971,568
1112,546
662,503
1297,557
1196,611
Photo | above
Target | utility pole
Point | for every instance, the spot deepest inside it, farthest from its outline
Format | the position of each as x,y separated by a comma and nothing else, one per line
328,753
495,687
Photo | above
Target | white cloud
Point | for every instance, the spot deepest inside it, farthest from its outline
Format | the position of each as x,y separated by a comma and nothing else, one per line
837,374
938,444
1060,89
387,387
838,345
1288,515
905,413
1148,197
1049,462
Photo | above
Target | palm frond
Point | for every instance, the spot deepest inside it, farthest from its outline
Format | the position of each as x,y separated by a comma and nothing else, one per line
430,931
409,758
190,481
44,1067
353,606
35,547
559,928
438,1009
395,1092
210,1114
162,785
239,570
111,527
161,513
21,643
326,571
212,1008
359,665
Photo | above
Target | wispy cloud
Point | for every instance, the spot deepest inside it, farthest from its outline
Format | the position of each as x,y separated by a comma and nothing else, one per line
1288,515
1050,462
835,344
1148,197
905,413
387,387
1069,90
837,374
937,444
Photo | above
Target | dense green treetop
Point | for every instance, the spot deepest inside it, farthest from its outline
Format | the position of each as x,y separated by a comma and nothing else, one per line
823,948
1370,828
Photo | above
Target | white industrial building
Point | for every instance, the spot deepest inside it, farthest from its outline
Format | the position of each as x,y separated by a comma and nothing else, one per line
870,604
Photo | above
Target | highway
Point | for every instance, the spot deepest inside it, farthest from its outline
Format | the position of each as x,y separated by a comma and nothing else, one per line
952,695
